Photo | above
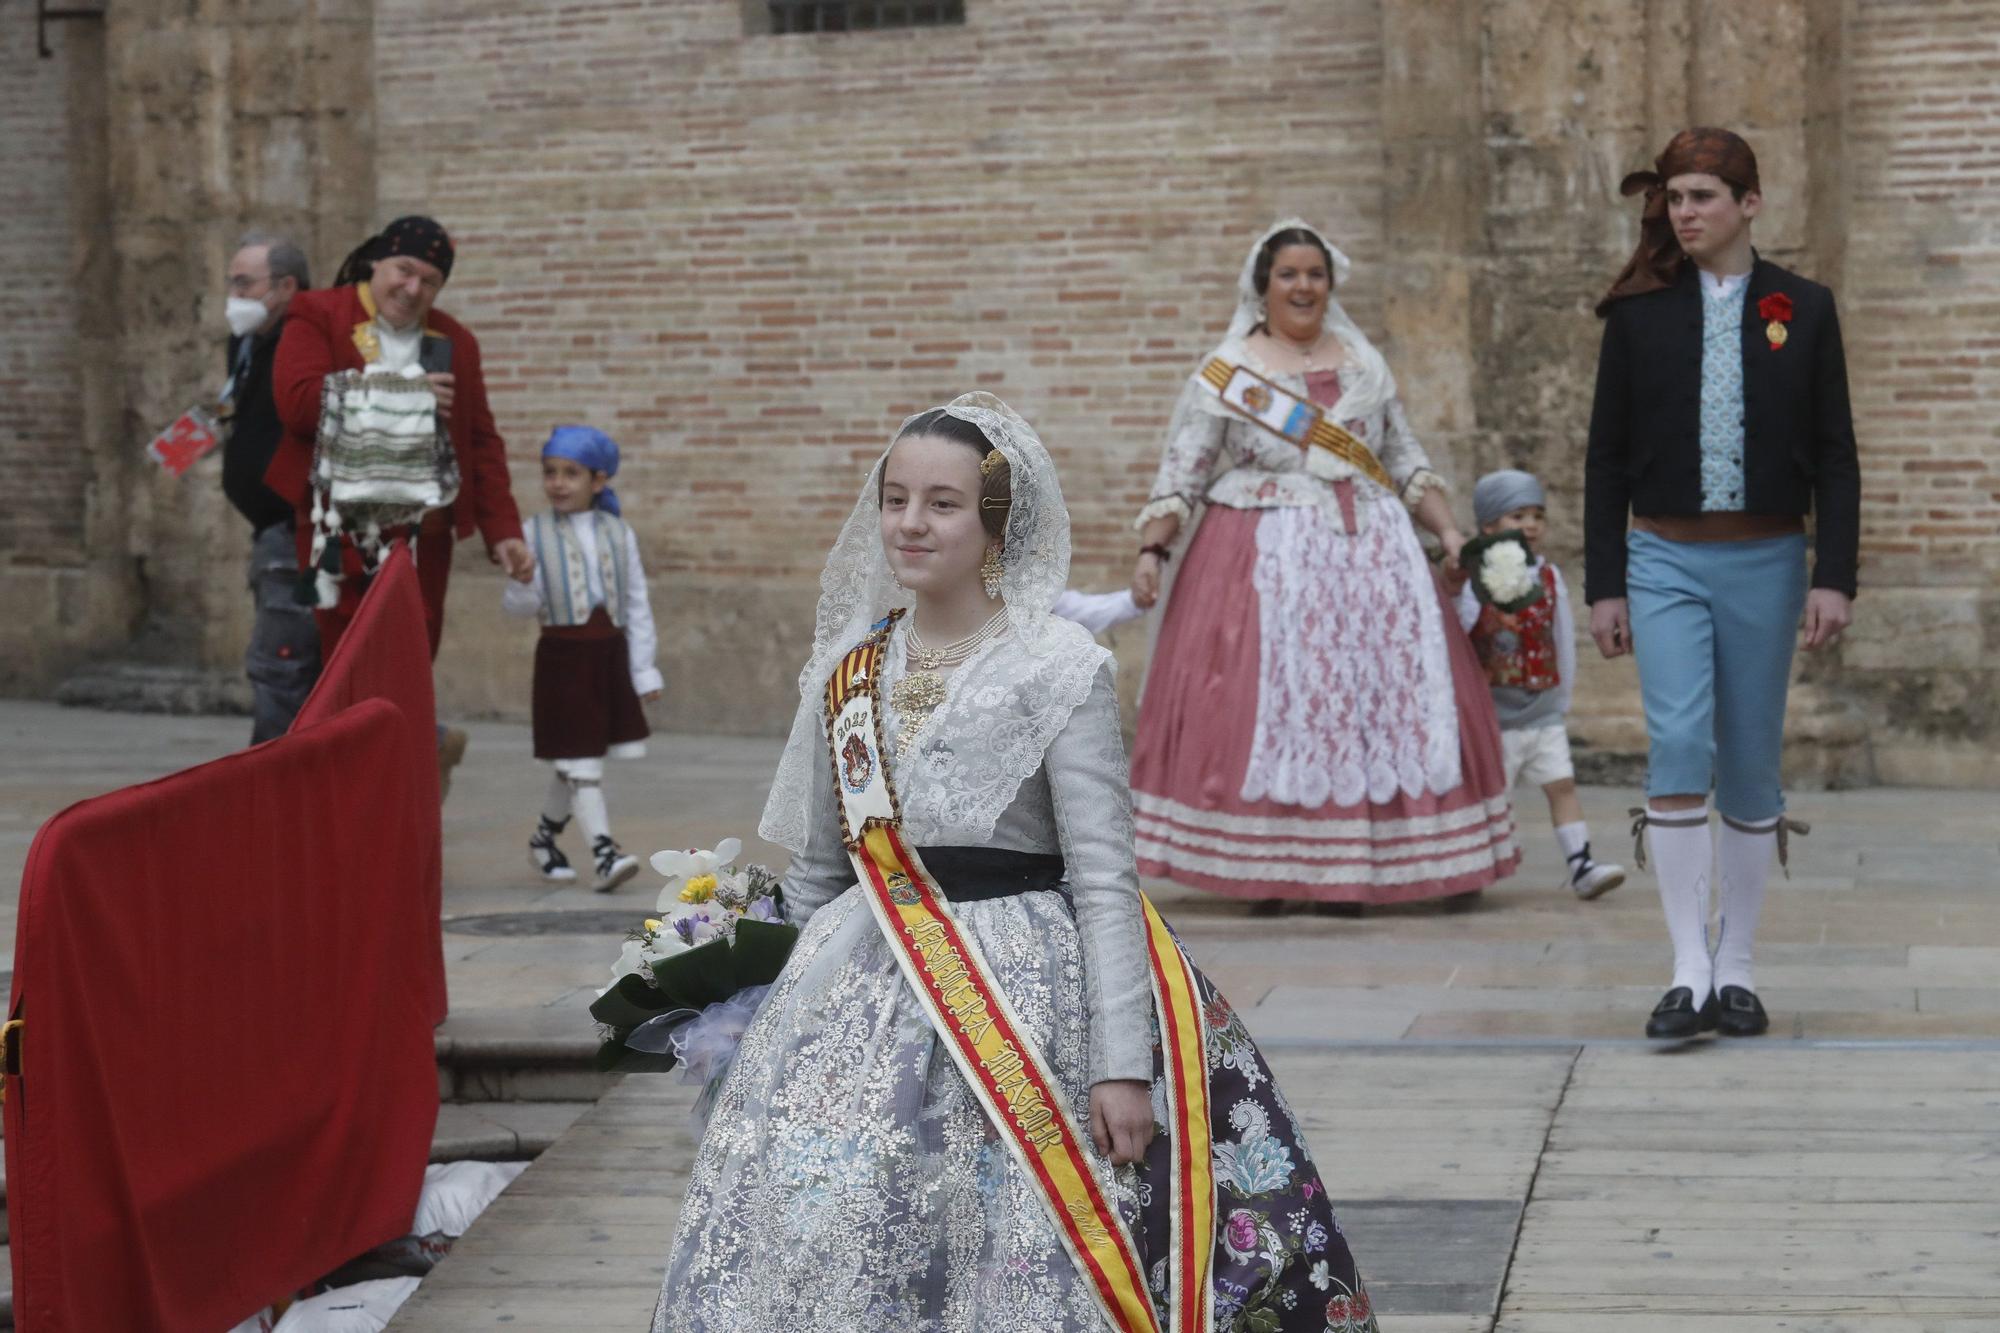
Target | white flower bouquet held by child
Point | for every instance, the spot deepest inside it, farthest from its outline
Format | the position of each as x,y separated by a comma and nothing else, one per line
720,932
1502,571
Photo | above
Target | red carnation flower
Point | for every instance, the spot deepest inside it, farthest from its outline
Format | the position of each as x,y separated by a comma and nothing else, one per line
1776,306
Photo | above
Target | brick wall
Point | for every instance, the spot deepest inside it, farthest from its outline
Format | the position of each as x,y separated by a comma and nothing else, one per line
1922,306
42,504
748,259
1921,316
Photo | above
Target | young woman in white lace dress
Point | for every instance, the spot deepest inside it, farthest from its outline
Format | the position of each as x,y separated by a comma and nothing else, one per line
1314,723
850,1177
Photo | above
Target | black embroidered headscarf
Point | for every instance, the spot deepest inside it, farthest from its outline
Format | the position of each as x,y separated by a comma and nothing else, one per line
417,236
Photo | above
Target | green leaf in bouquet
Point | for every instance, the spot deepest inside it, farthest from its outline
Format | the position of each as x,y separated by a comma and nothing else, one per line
640,1062
615,1057
699,977
628,1003
761,950
609,1052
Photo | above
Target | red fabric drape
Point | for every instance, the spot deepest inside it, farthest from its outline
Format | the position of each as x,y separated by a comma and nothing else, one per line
385,654
228,1084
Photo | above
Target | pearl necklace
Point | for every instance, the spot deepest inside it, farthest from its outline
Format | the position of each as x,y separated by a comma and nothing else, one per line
1305,351
928,658
917,695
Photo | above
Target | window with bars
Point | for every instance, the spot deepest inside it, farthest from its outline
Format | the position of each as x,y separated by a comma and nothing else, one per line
787,16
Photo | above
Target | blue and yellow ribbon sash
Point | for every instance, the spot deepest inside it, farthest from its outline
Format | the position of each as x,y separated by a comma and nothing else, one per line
1290,417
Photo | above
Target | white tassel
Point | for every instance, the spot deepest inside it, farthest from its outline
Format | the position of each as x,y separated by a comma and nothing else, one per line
328,588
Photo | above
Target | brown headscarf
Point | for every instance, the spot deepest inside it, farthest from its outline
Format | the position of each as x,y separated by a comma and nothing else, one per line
1702,149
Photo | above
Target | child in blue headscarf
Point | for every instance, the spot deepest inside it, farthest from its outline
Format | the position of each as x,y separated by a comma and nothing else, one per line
594,664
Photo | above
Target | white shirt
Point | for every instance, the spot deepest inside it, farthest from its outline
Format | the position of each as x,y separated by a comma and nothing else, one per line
1721,284
401,349
641,640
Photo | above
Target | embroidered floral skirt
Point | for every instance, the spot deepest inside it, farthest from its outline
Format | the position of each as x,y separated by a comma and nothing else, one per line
849,1179
1315,724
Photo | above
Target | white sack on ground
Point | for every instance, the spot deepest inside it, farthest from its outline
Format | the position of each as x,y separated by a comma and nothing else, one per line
365,1307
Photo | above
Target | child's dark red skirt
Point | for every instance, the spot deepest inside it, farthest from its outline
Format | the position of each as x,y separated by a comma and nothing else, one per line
584,701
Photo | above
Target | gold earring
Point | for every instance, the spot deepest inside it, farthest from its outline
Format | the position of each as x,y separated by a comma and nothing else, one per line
989,572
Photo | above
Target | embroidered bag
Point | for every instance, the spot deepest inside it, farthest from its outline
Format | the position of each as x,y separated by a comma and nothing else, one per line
381,459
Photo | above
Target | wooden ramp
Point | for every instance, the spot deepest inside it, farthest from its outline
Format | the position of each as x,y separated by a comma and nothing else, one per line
1726,1187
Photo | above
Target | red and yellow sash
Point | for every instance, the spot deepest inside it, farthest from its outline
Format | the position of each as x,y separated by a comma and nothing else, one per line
1290,417
998,1060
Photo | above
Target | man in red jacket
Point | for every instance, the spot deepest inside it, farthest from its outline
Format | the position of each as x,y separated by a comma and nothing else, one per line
379,314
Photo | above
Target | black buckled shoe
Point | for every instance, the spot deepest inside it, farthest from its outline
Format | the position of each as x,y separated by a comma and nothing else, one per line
1675,1017
1740,1013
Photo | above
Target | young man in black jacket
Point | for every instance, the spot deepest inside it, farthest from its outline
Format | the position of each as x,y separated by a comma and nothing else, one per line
1721,420
282,660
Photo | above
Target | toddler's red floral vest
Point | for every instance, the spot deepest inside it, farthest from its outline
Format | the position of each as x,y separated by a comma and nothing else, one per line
1520,649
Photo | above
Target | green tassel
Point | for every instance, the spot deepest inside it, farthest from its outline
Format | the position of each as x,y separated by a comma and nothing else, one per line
305,590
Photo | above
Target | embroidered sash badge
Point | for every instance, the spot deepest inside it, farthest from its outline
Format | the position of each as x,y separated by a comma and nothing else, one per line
1291,418
857,766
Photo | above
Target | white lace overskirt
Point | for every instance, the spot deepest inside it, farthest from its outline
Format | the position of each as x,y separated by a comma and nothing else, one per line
848,1178
1354,696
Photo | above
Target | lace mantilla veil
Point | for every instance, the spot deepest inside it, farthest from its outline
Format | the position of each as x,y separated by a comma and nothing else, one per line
1365,382
857,589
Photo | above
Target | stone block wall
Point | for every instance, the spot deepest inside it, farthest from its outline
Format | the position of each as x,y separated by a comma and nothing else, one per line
57,602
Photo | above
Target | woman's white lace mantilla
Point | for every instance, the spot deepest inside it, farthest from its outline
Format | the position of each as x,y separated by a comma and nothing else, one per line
1015,703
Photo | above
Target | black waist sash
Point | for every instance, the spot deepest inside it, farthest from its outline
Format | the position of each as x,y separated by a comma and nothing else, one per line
974,874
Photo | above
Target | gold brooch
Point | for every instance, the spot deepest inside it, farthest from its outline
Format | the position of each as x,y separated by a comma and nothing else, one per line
1775,331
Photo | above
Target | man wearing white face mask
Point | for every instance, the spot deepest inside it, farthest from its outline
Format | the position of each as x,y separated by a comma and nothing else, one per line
282,660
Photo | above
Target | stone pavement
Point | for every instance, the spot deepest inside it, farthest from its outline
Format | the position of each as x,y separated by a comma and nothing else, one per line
1510,1154
1888,929
1737,1188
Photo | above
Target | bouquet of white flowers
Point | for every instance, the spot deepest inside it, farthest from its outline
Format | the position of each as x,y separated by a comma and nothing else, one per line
1502,570
720,930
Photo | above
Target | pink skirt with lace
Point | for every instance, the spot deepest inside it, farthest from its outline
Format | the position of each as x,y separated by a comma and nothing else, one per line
1198,724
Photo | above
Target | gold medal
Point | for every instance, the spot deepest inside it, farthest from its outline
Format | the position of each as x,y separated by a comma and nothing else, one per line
1775,331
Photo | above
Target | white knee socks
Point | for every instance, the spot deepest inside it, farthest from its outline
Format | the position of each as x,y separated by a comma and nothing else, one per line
1682,853
587,799
1574,839
555,806
1743,866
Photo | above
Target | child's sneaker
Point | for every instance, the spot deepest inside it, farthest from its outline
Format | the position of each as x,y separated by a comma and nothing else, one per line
1593,879
546,856
614,867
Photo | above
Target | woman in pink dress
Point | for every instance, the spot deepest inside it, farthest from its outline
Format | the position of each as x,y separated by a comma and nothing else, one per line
1314,724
